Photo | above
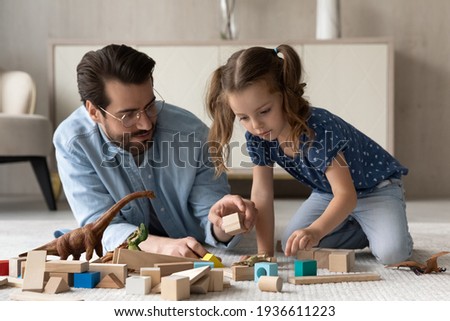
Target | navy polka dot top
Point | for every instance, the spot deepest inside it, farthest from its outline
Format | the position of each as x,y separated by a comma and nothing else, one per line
368,162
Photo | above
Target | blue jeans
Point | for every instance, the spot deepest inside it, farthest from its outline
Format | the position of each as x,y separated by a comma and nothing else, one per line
378,221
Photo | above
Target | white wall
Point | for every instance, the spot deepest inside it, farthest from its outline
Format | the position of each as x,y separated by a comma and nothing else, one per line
419,28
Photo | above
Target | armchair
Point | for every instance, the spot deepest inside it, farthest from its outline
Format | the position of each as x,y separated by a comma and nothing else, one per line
25,135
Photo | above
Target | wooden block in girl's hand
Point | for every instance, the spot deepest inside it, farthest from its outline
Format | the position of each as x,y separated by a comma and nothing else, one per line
232,224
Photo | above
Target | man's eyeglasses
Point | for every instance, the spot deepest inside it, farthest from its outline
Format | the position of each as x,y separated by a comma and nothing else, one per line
131,118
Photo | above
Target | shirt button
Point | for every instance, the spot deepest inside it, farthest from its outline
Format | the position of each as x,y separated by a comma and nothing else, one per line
149,176
162,209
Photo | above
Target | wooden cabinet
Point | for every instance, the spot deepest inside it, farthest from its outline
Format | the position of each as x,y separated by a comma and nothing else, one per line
352,78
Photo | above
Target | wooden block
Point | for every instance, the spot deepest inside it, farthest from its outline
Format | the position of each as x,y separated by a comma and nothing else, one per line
34,278
67,266
15,266
201,285
215,280
341,261
154,273
335,278
68,277
270,283
88,280
138,285
175,287
137,259
232,224
243,273
170,268
119,270
305,267
194,274
56,285
110,281
4,267
306,254
3,281
212,258
321,256
265,268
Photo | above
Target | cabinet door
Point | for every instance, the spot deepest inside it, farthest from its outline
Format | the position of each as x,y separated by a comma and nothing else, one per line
181,74
351,80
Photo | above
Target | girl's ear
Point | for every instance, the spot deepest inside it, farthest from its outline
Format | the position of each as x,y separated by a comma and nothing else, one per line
93,112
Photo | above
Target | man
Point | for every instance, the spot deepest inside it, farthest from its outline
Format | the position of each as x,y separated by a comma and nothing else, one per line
125,138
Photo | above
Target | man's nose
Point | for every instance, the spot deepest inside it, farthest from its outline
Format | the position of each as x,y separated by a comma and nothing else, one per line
144,122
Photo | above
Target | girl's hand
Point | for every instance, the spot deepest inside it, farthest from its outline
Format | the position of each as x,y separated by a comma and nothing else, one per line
303,239
230,204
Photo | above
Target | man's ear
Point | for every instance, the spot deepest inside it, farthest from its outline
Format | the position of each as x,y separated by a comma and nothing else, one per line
93,112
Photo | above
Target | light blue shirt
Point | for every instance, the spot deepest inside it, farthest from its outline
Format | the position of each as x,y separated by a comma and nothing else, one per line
95,174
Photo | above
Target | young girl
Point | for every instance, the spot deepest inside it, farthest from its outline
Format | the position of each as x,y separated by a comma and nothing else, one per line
357,197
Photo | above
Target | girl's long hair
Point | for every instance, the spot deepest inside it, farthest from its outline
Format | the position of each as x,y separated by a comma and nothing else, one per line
243,69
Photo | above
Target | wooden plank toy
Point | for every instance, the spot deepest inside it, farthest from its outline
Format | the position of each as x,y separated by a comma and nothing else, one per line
66,266
169,268
335,278
15,266
194,274
34,278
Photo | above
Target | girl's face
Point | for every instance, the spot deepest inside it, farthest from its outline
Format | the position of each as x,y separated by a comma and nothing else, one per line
260,111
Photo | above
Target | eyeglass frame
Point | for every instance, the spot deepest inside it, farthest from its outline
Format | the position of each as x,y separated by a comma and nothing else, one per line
138,113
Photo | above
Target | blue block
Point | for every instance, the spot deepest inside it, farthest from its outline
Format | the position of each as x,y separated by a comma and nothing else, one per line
265,268
205,263
305,267
87,280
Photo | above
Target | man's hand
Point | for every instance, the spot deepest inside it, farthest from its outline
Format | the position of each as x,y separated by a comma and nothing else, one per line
230,204
304,239
186,247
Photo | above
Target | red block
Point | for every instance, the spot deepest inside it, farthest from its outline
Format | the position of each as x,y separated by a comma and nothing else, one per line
4,267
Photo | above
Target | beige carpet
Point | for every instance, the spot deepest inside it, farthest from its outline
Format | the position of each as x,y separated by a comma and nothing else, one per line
19,236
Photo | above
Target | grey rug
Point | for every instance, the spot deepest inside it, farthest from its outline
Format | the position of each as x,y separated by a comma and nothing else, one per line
20,236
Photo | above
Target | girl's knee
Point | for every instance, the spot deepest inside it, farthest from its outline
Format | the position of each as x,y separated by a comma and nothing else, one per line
394,253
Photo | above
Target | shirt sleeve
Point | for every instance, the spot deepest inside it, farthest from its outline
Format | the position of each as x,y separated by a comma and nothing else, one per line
86,194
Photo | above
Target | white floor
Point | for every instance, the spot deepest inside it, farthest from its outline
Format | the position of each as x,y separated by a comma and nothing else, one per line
33,206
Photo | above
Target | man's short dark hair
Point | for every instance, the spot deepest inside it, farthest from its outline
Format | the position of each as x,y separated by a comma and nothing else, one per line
113,62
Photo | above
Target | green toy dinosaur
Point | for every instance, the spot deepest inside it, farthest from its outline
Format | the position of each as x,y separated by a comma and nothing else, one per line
137,237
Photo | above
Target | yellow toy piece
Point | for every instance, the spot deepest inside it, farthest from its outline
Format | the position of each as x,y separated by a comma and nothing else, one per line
212,258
